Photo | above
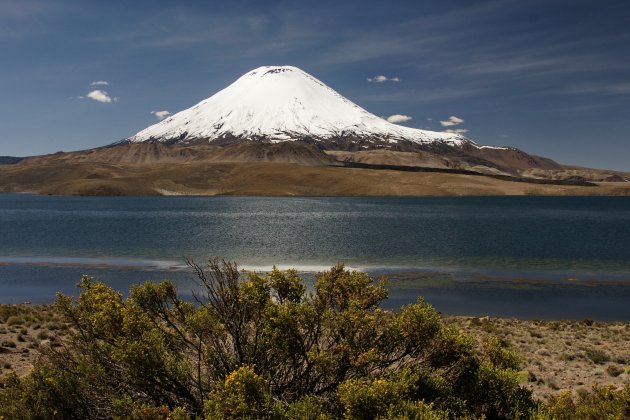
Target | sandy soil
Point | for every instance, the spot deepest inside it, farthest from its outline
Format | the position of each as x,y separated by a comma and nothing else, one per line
24,331
559,355
556,355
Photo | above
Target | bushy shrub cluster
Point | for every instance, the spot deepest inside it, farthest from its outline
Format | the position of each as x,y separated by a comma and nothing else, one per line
599,403
256,346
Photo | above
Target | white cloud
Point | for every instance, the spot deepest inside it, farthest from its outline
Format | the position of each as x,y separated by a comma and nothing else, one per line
452,120
160,115
100,96
457,131
397,118
381,79
100,83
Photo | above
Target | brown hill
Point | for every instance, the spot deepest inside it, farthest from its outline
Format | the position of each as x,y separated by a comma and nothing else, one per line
484,160
285,152
290,168
510,159
264,178
575,172
152,153
420,159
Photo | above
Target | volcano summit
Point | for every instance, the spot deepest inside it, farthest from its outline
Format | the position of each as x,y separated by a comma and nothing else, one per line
282,104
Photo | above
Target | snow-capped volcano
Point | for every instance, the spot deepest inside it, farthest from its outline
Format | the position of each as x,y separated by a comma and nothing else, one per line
280,104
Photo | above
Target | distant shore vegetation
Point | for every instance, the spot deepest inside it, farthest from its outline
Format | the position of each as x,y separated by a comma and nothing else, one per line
266,346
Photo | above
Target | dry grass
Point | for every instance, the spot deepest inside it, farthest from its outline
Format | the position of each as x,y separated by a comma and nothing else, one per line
282,169
264,179
561,354
24,329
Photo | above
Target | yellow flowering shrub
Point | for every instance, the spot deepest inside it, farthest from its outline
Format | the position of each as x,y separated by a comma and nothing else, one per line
242,394
257,345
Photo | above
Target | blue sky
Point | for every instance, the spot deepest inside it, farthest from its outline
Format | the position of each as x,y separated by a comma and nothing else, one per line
549,77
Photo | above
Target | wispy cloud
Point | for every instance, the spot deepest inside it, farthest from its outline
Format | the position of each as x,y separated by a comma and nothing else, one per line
100,83
451,121
398,118
420,95
457,131
25,18
100,96
382,79
256,37
235,35
160,115
598,89
23,9
533,57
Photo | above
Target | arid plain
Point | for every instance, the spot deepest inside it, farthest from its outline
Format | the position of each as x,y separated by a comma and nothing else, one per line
293,170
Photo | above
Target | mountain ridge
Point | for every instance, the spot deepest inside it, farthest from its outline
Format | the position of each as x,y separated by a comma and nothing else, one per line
10,160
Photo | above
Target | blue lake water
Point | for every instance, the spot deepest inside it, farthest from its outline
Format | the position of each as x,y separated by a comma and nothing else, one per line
545,257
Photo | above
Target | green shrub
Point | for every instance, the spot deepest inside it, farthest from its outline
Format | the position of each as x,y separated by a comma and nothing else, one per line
15,320
368,399
599,403
8,343
243,394
7,311
416,410
306,408
261,347
614,370
597,356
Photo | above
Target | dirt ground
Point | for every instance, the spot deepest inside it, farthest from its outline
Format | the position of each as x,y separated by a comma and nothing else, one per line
24,330
556,355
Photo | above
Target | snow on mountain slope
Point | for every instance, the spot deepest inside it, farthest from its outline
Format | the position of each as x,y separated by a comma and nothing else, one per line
280,104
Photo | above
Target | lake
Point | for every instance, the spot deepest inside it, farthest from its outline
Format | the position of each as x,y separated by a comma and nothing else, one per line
534,257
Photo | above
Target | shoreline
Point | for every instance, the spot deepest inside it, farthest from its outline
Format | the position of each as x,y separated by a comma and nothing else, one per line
456,292
175,194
